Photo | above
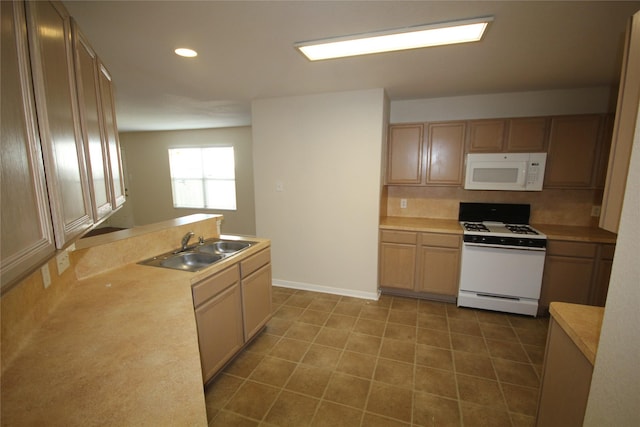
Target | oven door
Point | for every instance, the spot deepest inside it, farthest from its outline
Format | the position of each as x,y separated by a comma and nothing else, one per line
502,272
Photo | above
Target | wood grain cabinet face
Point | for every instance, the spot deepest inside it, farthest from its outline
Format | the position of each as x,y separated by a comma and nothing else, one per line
420,263
256,292
218,310
439,264
445,153
486,136
573,150
566,380
27,234
405,154
398,259
110,128
527,135
49,29
96,147
576,272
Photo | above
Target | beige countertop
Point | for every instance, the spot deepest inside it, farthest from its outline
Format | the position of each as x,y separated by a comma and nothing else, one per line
452,226
121,348
448,226
582,323
576,234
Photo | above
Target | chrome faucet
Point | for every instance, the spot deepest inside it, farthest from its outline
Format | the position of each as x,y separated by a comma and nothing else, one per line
185,240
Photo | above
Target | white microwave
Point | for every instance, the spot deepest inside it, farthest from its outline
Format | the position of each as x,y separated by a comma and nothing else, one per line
505,171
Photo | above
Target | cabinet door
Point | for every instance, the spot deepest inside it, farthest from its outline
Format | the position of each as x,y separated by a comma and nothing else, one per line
439,270
110,129
486,136
95,145
445,153
219,330
604,148
566,279
49,32
256,300
404,163
602,276
573,146
527,135
397,265
27,234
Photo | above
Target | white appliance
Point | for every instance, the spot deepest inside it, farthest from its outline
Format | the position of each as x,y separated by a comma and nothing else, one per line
505,171
502,258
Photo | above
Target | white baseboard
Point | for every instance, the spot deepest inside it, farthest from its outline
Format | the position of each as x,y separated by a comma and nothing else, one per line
327,290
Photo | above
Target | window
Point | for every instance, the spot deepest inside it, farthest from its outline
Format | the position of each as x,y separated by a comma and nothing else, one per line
203,177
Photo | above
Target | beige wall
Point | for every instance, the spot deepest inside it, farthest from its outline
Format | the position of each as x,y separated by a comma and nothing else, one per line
614,399
149,181
325,152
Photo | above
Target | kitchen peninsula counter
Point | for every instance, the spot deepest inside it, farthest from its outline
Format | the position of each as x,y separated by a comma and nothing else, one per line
121,348
582,323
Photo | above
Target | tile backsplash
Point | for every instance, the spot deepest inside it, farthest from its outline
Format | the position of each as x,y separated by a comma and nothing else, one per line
564,207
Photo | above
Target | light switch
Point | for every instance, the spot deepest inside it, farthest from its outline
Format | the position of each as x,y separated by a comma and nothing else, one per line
279,186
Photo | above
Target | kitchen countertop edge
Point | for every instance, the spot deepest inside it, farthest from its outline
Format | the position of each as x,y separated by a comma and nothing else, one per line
582,323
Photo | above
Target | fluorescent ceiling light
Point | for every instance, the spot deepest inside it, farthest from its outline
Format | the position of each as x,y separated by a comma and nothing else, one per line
187,53
393,40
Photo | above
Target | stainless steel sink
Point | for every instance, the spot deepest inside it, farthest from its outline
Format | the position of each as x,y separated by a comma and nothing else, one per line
197,257
190,261
222,247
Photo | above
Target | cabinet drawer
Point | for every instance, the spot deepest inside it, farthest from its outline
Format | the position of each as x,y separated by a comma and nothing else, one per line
254,262
607,251
408,237
573,249
204,290
441,240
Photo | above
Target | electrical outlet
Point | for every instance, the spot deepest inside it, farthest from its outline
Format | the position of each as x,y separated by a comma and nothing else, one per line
403,203
62,261
595,210
46,276
279,186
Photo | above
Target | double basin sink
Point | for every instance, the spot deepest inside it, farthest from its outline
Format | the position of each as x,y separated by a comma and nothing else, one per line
197,257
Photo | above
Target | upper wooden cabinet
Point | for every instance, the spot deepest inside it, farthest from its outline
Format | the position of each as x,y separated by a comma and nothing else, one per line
623,130
445,153
486,136
405,154
573,151
517,135
431,154
49,32
27,234
61,168
527,135
111,136
96,146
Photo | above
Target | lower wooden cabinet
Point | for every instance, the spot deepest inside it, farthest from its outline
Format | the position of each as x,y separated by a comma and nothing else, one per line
256,292
576,272
566,380
421,264
231,307
218,308
439,261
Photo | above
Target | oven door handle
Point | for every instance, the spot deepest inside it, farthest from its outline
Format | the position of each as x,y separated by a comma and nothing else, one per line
506,247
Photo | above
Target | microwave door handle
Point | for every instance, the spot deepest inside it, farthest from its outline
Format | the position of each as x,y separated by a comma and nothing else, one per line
524,176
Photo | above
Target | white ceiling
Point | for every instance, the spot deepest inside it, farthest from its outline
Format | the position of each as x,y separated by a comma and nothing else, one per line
246,52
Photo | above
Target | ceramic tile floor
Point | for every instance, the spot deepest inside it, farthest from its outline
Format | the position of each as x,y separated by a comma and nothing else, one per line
327,360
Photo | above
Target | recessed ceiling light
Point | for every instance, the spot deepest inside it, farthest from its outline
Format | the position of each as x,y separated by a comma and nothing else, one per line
392,40
187,53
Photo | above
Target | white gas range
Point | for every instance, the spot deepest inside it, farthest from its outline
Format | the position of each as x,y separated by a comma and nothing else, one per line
502,258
